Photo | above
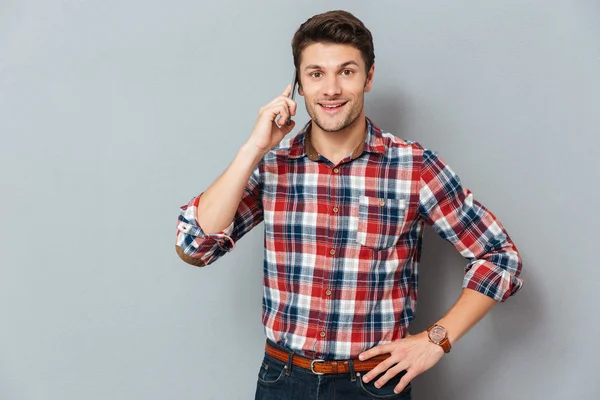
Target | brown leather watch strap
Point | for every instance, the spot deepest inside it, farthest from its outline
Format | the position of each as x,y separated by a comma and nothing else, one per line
446,345
324,367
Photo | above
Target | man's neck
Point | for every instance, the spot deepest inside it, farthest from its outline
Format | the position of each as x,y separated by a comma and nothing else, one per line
335,146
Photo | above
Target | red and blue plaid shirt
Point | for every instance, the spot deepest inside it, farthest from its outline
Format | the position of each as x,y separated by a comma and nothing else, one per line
343,242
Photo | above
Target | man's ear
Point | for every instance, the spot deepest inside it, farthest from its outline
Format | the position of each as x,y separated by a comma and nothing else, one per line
300,91
369,82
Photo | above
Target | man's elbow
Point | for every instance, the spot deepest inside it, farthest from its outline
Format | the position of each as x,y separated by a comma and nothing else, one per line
197,262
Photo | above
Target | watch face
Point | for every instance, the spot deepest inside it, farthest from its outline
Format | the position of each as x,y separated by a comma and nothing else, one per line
437,334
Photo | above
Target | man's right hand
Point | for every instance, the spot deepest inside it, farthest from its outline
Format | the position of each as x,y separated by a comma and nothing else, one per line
268,130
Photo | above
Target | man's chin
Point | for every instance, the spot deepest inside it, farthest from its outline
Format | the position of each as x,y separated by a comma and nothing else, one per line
331,124
331,127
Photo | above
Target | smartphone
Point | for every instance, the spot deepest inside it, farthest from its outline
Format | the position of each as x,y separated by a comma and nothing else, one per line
292,95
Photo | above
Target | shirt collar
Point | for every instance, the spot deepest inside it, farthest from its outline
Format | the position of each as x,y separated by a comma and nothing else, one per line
302,146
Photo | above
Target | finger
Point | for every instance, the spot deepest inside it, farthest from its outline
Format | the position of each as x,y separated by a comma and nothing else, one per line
390,373
375,351
279,110
284,115
379,369
291,104
287,91
404,381
284,127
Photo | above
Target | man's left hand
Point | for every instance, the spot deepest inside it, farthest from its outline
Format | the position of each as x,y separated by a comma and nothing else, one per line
414,353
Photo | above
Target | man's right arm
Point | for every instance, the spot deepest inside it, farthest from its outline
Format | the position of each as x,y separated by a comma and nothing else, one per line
210,224
220,201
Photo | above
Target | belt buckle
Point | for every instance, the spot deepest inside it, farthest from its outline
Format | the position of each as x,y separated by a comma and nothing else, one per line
312,367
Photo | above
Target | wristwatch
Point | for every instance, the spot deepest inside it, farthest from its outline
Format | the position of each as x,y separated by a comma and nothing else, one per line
439,335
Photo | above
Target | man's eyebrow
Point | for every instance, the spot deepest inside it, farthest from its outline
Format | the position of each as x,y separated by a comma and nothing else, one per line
343,65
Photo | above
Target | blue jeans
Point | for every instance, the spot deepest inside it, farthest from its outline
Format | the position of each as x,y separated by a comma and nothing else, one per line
283,381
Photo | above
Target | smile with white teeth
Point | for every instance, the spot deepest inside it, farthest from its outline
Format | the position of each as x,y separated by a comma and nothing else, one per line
332,105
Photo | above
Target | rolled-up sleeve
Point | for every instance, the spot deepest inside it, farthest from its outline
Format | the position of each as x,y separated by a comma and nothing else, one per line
198,248
494,263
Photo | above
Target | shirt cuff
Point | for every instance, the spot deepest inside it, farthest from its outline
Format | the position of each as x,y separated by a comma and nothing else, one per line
192,238
492,280
195,232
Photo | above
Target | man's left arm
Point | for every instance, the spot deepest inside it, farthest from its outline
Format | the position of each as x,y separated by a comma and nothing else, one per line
491,275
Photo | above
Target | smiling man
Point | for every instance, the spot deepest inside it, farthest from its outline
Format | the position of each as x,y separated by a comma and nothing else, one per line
344,205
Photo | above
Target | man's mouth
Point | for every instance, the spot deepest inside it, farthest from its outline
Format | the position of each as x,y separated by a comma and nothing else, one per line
332,107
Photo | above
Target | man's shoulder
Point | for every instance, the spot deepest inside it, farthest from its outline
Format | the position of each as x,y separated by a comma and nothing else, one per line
396,145
404,150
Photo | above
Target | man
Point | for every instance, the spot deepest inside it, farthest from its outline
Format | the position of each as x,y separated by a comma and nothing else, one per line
344,205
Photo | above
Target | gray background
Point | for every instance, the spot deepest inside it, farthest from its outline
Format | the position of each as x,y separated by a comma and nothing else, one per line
115,113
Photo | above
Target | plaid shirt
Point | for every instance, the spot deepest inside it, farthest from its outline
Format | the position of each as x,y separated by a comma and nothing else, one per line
343,242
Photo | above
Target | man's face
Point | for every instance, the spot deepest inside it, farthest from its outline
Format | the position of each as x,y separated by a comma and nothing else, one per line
333,82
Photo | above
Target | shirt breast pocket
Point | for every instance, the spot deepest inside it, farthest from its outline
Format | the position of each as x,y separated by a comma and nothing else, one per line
380,221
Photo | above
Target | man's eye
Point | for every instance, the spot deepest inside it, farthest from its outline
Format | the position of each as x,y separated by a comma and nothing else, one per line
347,72
316,74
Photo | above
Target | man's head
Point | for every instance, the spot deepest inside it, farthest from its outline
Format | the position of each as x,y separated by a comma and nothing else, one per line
334,56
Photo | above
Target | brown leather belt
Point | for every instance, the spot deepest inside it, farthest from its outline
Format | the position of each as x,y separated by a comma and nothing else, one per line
321,367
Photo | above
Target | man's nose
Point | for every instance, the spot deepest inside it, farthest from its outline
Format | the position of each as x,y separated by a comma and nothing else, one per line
332,86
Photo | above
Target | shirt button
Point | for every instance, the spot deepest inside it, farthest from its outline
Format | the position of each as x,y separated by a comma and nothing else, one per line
322,334
335,209
382,203
336,170
332,251
328,292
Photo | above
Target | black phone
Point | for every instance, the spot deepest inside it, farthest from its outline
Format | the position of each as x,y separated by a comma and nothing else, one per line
292,94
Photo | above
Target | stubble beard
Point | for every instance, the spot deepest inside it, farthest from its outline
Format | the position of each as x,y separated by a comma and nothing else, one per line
344,122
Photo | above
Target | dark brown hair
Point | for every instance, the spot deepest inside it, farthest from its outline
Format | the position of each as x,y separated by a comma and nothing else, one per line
338,27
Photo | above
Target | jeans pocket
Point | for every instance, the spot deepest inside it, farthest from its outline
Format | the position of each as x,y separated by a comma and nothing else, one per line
271,372
387,390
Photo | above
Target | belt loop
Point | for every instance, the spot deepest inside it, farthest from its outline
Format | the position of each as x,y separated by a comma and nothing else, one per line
352,373
288,366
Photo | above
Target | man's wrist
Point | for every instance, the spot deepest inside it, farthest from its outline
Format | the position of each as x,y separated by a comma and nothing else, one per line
250,151
438,335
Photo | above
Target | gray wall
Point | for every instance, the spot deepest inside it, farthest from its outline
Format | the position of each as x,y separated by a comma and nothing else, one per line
115,113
